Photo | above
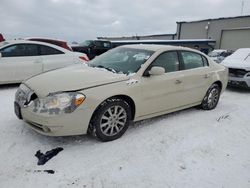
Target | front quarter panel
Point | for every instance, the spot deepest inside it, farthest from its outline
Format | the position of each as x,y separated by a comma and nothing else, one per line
96,95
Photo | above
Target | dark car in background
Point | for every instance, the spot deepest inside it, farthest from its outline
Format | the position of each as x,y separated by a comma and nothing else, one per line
92,47
57,42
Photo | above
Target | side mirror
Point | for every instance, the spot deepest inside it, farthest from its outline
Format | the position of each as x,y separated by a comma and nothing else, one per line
156,71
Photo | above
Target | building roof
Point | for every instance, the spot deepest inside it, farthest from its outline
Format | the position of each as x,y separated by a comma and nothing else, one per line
164,41
154,35
212,19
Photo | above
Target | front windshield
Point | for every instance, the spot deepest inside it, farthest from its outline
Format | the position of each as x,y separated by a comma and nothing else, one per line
122,60
86,43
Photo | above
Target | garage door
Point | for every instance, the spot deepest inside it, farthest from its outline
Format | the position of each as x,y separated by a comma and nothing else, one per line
236,38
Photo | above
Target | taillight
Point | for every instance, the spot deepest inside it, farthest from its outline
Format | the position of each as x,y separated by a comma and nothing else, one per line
84,58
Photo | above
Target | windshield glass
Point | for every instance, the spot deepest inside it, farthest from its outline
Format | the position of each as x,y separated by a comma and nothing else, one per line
86,43
122,60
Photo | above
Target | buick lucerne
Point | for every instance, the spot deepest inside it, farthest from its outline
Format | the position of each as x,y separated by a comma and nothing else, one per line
125,84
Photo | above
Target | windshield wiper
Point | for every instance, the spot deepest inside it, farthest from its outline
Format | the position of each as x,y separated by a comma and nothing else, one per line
107,68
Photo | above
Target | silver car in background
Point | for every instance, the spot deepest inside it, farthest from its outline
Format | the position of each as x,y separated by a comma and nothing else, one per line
239,68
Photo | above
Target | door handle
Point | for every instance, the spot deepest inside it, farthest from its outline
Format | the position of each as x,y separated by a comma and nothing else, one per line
206,76
178,81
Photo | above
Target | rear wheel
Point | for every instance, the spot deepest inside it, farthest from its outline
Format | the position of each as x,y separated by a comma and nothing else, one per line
211,98
111,119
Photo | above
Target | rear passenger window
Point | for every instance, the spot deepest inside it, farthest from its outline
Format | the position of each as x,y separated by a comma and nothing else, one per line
46,50
168,60
19,50
193,60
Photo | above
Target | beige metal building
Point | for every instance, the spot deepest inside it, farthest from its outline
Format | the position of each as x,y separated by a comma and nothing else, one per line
229,33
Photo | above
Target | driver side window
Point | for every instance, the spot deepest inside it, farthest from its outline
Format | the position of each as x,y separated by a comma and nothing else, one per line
167,60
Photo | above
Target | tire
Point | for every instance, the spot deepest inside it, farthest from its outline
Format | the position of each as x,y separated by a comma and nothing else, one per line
111,120
211,98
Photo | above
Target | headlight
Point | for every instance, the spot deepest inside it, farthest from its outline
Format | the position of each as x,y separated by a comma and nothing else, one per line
59,103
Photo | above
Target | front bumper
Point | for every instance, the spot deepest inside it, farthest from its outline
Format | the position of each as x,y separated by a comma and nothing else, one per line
239,82
75,123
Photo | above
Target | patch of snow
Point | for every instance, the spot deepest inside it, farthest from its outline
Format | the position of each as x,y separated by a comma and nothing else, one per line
189,148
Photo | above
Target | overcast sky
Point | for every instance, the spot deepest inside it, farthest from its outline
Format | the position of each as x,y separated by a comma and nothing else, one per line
77,20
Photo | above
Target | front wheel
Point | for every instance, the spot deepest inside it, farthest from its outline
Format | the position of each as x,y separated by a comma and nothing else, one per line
111,119
211,98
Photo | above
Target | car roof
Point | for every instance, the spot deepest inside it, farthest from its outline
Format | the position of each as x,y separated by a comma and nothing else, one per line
156,47
36,42
42,38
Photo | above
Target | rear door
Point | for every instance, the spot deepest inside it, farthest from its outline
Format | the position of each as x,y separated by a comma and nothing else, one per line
18,62
197,76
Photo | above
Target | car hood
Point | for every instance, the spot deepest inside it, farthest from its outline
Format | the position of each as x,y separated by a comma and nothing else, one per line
72,78
236,63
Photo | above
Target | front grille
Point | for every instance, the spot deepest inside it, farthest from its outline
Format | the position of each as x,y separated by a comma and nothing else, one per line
238,84
240,73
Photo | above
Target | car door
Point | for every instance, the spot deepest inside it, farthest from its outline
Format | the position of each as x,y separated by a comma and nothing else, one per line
18,62
54,58
196,76
162,92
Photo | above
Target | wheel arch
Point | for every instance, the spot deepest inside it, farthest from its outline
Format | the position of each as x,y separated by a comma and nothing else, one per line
126,98
219,84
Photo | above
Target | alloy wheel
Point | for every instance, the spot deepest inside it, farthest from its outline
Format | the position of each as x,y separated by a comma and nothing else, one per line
213,97
113,120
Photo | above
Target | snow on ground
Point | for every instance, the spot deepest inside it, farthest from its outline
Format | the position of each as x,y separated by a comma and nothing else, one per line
191,148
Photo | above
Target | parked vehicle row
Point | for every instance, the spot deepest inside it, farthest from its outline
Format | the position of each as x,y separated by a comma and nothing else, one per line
20,60
128,83
125,84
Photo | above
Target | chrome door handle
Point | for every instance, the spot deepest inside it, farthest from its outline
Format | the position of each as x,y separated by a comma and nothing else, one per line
178,81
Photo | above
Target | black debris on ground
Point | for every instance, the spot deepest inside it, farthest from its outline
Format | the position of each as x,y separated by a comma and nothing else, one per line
44,158
48,171
223,117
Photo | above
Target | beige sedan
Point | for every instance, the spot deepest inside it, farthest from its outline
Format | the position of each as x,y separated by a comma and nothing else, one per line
128,83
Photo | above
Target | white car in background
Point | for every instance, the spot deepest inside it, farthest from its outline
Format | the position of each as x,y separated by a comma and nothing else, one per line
127,83
22,59
239,68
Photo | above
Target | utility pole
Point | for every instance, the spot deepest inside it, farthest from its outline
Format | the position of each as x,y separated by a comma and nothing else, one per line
242,6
